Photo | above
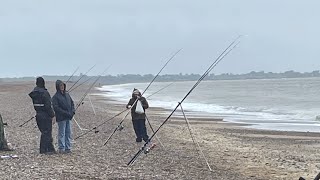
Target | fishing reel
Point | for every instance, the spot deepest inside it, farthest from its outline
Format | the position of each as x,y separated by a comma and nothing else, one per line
120,128
96,130
5,124
147,149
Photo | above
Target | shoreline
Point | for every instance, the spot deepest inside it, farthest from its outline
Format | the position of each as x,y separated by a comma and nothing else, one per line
195,115
233,152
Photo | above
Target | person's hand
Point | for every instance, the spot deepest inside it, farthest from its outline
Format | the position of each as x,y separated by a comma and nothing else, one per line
129,106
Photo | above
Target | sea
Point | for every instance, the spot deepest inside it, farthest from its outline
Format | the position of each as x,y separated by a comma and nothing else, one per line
270,104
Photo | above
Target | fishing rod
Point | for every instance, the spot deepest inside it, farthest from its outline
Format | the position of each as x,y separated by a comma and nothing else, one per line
84,96
82,76
120,127
72,74
147,98
170,59
205,74
220,57
70,90
152,130
95,129
34,116
65,83
92,85
27,121
160,90
75,83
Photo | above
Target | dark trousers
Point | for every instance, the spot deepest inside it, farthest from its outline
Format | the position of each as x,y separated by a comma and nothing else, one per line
44,123
140,129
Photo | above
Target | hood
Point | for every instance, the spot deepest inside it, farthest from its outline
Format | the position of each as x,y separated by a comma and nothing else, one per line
135,91
40,82
58,82
36,90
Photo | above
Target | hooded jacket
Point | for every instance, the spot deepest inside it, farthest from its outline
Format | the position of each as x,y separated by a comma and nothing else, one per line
145,105
62,104
42,101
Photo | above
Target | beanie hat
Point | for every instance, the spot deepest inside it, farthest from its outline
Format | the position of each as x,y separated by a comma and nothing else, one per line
40,82
136,91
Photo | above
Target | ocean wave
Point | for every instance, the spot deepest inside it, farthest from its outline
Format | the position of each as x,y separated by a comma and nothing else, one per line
256,115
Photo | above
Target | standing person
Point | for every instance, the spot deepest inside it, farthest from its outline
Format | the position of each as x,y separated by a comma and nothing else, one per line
3,141
44,115
64,108
139,119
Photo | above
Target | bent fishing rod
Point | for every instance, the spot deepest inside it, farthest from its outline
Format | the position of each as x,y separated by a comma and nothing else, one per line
88,90
205,74
84,96
70,90
95,129
160,90
82,76
72,74
120,127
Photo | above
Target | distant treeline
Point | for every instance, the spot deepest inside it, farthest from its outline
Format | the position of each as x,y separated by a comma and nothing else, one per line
136,78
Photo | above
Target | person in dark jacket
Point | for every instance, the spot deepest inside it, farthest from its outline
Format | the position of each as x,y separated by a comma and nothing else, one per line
3,141
64,108
44,115
138,120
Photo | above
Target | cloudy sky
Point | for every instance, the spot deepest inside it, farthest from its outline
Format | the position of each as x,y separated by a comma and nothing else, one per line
42,37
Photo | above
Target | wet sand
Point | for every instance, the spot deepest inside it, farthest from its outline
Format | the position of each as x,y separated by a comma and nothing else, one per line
233,151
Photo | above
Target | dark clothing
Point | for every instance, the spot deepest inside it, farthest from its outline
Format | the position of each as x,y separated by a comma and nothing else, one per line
42,104
138,120
140,129
145,106
42,101
40,82
62,104
45,126
3,141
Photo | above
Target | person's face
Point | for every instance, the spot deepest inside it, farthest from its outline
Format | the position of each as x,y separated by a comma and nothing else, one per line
61,86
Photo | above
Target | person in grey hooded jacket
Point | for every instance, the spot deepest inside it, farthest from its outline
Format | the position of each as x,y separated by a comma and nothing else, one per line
64,108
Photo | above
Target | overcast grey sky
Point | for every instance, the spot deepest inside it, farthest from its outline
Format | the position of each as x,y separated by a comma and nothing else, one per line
42,37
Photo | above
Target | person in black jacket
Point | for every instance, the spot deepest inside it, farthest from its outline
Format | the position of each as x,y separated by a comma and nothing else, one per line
3,141
44,115
138,120
64,108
